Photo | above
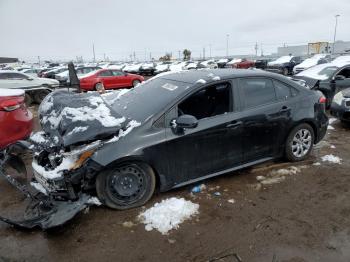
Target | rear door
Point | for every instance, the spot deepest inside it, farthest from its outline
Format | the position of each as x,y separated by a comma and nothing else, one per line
265,116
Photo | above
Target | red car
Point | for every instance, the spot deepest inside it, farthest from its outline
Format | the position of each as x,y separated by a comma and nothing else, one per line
16,121
109,79
244,64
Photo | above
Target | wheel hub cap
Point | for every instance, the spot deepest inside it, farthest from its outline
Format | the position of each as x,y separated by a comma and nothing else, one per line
301,143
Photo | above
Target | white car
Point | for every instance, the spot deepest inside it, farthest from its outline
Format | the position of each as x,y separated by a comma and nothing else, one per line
177,66
210,64
132,68
312,61
33,72
36,88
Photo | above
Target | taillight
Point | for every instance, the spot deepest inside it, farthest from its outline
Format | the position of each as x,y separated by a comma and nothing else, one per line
11,103
322,100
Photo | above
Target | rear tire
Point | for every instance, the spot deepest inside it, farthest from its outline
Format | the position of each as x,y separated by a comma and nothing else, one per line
99,87
135,83
126,186
299,143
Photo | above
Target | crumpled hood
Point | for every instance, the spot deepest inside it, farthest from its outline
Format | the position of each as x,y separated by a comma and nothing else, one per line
311,82
68,118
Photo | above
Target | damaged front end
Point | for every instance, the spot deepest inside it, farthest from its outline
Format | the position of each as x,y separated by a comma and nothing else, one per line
59,188
75,126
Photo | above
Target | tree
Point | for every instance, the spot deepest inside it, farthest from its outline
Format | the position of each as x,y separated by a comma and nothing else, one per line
187,54
166,57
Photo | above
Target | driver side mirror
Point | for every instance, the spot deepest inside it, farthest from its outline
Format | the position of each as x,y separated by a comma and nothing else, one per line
185,121
339,78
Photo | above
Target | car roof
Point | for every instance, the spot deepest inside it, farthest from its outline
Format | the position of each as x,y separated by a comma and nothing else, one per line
10,71
212,75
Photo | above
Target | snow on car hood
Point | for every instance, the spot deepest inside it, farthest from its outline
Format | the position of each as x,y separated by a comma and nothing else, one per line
281,60
68,118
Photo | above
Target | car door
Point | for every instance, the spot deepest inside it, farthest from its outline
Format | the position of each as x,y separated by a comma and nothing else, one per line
106,77
120,79
264,117
342,79
214,145
16,80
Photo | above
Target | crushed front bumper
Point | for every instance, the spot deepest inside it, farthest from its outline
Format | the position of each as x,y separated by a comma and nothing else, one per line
51,205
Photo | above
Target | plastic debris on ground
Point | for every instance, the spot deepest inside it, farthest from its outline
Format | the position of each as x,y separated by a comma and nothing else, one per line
198,189
168,214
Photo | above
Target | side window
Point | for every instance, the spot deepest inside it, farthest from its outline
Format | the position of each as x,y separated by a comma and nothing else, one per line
345,72
117,73
283,91
105,73
257,91
208,102
15,76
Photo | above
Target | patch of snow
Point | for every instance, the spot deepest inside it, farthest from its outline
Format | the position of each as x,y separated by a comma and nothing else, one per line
330,128
94,201
201,81
277,176
38,137
216,78
101,113
273,180
77,129
332,120
38,187
130,126
11,92
168,214
331,159
332,146
231,201
66,164
316,164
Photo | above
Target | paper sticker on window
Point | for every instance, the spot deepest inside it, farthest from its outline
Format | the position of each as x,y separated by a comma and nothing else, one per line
170,87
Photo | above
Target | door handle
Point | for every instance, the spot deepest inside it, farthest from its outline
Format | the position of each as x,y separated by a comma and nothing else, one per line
234,124
285,109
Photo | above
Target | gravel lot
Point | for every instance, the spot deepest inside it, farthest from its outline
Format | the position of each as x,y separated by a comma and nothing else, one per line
303,217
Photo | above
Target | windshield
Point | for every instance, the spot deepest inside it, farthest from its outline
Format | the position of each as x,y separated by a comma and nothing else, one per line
146,99
320,72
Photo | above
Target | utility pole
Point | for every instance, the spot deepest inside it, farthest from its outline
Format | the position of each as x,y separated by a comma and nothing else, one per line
150,56
256,49
227,36
93,51
335,31
203,52
39,60
210,51
179,55
104,57
134,56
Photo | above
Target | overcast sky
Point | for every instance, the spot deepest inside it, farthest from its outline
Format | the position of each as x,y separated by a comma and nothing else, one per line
64,29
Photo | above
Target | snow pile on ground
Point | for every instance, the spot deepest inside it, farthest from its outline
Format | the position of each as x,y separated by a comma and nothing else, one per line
330,127
277,176
331,159
38,187
66,164
94,201
332,120
168,214
98,111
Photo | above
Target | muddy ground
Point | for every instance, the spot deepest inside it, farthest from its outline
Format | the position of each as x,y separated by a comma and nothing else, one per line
305,217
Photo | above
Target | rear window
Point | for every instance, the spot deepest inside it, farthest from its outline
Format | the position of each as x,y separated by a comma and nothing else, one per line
257,91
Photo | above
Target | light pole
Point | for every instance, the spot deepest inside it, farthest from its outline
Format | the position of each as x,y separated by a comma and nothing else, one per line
335,31
227,36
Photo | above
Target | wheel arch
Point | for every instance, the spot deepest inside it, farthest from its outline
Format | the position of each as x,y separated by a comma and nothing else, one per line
305,121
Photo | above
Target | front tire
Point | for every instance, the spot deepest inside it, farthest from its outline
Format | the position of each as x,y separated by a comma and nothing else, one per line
40,95
99,87
299,143
126,186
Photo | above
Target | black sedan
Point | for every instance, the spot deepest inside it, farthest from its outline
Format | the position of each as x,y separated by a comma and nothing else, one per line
340,107
283,65
171,131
